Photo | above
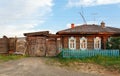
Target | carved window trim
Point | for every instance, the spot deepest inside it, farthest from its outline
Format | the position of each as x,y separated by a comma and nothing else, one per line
72,43
97,43
83,43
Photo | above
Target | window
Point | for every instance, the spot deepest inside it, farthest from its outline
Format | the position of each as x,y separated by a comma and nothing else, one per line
97,43
83,43
72,43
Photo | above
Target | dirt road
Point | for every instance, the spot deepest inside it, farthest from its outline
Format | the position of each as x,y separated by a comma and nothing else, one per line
35,67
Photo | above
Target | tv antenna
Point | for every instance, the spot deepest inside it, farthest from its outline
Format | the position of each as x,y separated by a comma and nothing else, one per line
94,17
82,15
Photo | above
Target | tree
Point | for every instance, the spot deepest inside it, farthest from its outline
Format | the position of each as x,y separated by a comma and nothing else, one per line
113,43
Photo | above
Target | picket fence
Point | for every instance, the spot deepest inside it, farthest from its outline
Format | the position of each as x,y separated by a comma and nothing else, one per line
67,53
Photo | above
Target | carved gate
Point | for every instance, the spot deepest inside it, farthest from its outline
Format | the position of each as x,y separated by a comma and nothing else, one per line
36,46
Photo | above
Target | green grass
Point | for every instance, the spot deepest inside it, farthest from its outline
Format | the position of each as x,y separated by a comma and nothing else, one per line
10,57
111,63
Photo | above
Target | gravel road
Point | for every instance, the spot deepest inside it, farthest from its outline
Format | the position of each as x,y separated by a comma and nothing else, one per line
35,66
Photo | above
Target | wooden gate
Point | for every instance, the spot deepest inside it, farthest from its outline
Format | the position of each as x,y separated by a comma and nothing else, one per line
36,46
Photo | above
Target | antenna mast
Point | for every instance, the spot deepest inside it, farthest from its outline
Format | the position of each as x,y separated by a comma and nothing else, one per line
81,13
83,18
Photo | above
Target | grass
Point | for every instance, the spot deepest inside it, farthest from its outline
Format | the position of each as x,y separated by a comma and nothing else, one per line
4,58
111,63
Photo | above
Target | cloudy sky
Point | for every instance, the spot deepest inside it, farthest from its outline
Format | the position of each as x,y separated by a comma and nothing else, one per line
22,16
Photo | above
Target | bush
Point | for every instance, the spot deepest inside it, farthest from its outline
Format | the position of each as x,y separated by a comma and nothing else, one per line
59,55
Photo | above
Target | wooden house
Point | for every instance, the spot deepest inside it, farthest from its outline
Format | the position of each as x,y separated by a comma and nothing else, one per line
83,37
87,36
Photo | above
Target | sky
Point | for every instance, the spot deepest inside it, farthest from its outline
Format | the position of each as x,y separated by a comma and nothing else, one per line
24,16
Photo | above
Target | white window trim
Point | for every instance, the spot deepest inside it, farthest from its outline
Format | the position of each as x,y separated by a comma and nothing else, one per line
99,43
72,38
81,39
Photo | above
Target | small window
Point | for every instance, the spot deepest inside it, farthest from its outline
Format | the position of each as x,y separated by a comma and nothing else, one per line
83,43
72,43
97,43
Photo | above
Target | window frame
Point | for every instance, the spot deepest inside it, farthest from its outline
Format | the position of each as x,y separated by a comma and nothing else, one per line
83,45
73,45
98,47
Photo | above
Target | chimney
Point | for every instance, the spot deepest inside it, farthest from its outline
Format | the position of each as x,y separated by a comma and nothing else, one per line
103,24
72,25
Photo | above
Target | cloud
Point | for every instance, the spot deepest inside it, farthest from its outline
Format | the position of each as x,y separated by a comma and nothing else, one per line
87,3
16,30
20,16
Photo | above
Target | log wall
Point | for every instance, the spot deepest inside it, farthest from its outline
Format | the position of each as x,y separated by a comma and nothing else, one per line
12,44
90,41
51,47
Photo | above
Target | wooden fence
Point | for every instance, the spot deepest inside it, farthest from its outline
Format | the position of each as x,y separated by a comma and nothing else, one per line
88,53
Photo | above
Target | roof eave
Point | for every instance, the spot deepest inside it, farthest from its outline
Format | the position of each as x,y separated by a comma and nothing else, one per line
83,33
41,33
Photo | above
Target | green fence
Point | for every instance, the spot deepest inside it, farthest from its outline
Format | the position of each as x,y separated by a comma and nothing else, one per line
66,53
